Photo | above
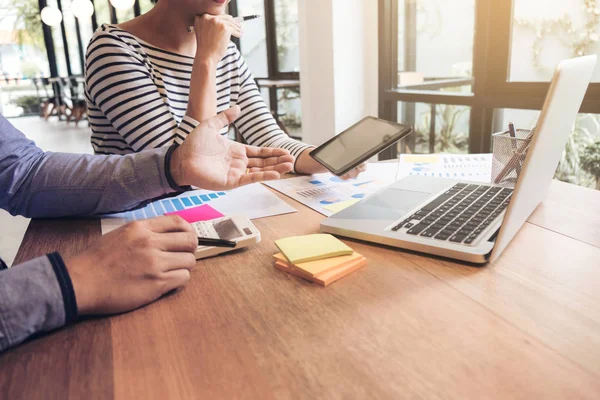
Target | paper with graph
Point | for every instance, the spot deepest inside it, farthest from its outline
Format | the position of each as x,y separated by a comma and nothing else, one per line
253,201
328,194
465,167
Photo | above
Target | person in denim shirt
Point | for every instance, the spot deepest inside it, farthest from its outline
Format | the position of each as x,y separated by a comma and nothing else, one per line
133,265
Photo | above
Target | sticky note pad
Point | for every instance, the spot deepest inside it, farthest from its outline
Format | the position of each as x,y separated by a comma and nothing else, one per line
200,213
325,278
298,249
314,268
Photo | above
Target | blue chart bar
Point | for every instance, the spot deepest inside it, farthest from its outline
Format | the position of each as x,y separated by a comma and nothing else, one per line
138,214
167,205
160,210
196,200
213,196
149,211
221,193
186,201
204,197
178,205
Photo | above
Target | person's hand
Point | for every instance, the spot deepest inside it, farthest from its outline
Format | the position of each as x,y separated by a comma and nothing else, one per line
308,165
133,265
210,161
354,172
213,33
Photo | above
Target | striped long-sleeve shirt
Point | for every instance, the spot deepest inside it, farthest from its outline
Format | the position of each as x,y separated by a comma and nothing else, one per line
137,96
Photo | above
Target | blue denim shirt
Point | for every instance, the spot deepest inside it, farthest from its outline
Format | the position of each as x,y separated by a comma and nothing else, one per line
37,295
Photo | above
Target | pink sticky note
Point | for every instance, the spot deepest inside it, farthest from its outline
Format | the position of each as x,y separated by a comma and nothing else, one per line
200,213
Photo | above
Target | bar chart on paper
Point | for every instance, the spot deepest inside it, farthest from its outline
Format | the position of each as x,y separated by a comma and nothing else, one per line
253,201
469,167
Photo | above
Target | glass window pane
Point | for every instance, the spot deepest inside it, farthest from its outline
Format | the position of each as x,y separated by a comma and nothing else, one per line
545,32
254,43
71,33
125,15
22,57
449,124
102,12
286,25
585,132
145,6
289,109
442,39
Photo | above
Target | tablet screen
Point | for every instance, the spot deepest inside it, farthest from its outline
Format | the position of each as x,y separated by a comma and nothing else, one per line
360,140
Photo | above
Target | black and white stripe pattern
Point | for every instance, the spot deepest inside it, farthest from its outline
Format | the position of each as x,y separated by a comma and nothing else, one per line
137,96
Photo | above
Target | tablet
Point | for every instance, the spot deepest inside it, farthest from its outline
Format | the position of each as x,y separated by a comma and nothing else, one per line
358,143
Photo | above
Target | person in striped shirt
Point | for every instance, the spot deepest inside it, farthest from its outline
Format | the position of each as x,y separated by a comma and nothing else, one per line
150,80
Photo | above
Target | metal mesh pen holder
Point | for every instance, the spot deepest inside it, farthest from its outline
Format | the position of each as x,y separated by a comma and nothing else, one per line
509,155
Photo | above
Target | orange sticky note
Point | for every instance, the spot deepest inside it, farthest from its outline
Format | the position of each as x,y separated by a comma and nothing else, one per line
313,268
325,278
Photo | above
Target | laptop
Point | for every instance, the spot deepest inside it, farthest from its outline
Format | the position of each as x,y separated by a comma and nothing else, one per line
469,221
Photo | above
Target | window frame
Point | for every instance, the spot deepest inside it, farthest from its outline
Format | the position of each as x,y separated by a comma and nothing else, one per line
491,62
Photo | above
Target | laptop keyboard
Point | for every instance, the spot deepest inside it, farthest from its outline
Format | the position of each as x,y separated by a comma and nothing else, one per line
459,215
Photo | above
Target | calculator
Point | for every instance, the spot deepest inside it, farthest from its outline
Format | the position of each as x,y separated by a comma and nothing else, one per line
236,228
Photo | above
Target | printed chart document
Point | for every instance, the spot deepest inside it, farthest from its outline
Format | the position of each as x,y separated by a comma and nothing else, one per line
465,167
253,201
328,194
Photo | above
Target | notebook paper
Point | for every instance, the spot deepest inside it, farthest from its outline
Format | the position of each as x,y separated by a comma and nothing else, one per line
298,249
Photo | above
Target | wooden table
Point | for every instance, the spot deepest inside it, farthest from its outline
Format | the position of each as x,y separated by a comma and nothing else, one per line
405,326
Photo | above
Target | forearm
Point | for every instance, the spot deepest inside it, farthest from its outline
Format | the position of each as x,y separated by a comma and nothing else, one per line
36,296
305,164
38,184
202,103
73,185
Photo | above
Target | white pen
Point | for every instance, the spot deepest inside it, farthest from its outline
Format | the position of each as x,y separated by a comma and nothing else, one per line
238,19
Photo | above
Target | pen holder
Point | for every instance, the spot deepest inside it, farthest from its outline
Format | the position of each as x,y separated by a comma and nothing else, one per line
509,155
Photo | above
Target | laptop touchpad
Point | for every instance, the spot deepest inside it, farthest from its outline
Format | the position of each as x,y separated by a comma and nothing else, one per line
398,199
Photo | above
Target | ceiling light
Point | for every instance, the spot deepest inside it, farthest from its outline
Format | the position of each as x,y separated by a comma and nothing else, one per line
51,16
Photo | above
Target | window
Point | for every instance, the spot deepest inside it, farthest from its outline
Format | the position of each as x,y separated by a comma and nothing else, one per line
481,64
22,57
270,48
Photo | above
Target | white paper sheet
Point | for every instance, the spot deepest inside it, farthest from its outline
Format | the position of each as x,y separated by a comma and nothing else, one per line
253,201
466,167
320,191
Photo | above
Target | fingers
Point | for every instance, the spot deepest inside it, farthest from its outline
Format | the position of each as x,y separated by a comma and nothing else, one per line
177,241
270,161
175,279
175,261
354,172
168,223
223,119
265,152
280,168
254,177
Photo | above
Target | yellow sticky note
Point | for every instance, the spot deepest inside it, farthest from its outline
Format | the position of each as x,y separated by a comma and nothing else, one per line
299,249
337,207
421,158
313,268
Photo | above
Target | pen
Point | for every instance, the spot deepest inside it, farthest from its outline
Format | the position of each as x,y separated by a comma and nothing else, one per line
246,18
238,19
215,242
511,129
513,134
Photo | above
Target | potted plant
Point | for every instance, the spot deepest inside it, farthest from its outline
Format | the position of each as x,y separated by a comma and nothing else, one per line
590,161
30,104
